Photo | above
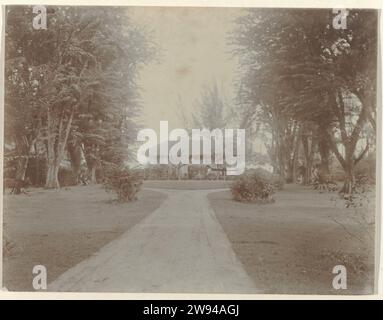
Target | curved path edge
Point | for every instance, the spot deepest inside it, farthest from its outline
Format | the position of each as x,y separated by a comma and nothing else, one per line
180,247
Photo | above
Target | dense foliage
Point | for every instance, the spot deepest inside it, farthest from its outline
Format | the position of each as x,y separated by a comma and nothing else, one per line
252,188
124,182
308,88
71,90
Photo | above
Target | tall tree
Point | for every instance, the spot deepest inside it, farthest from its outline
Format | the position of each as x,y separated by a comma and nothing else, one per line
295,62
211,109
83,70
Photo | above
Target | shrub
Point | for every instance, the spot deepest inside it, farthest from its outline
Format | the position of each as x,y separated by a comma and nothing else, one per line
252,188
362,194
124,182
324,182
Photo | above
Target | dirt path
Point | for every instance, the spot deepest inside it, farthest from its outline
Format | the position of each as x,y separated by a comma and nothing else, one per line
180,247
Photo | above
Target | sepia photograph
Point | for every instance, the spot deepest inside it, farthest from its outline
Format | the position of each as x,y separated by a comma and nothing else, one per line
205,150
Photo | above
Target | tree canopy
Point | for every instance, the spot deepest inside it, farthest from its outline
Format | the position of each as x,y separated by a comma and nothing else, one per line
74,83
302,77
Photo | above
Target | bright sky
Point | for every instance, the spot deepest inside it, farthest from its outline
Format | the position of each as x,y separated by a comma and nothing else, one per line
194,53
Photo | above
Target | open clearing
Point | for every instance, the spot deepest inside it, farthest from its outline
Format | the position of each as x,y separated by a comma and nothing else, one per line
289,246
292,245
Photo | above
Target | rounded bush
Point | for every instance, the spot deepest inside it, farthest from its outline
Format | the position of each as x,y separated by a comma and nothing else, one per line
252,188
124,182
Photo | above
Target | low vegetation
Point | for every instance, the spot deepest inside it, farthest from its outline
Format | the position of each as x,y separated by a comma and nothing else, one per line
252,188
124,182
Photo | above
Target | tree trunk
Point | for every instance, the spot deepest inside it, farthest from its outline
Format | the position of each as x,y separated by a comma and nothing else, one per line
349,141
22,168
280,154
93,175
349,180
290,171
308,164
296,157
74,152
324,151
292,167
58,133
52,181
281,167
23,151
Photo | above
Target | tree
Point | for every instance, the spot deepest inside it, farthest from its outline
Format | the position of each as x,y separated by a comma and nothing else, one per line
297,67
81,75
23,126
211,109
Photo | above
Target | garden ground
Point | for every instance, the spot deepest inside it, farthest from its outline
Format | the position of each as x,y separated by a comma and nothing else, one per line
59,229
289,246
292,245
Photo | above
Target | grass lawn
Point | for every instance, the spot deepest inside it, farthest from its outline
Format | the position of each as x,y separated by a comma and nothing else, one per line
59,229
292,245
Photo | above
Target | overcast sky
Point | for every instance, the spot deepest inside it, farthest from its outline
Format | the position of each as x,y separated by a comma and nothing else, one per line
194,53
